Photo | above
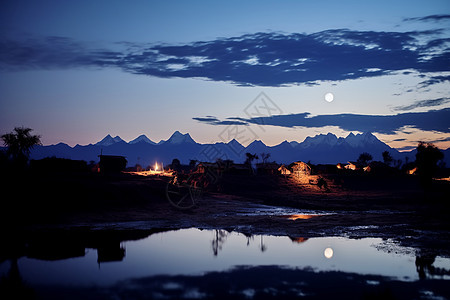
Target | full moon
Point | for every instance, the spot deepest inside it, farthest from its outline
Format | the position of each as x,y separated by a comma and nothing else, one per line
329,97
328,253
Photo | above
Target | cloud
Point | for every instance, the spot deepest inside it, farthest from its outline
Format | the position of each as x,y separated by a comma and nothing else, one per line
434,120
214,121
446,139
434,80
423,103
406,148
52,53
432,18
258,59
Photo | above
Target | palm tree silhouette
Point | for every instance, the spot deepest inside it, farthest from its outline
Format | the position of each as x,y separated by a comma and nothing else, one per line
19,143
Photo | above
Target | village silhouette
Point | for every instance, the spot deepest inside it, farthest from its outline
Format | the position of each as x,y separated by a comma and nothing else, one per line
59,193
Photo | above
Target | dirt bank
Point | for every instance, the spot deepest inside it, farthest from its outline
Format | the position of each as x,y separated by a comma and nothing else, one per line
391,208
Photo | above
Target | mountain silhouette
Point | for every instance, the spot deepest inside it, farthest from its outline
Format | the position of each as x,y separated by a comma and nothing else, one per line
109,140
179,138
142,138
320,149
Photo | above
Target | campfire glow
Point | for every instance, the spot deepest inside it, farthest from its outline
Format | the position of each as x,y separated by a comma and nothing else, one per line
302,217
158,169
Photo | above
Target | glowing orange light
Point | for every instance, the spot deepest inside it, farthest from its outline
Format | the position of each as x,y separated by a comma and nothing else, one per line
156,166
302,217
299,239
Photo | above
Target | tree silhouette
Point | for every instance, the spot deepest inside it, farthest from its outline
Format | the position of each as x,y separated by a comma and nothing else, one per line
250,158
427,157
192,163
19,143
176,165
387,158
364,158
265,157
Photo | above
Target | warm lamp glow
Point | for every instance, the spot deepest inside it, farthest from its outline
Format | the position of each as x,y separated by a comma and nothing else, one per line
156,166
302,217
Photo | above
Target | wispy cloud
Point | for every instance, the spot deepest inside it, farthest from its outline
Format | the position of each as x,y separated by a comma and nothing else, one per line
214,121
423,103
434,120
435,80
431,18
259,59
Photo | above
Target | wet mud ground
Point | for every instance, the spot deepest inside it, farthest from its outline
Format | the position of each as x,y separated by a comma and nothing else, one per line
396,210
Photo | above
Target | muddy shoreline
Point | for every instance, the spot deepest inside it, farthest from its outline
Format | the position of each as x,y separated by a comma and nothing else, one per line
356,208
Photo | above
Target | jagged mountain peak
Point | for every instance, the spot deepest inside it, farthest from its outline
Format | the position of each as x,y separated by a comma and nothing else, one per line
361,139
320,139
284,144
109,140
234,142
179,138
142,138
257,142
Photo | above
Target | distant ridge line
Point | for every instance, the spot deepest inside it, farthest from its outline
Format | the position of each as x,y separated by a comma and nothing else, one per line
320,149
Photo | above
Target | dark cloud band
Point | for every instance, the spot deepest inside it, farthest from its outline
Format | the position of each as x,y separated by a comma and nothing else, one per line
434,120
260,59
432,18
423,103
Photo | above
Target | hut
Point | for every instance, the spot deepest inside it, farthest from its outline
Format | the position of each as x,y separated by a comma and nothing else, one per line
109,252
112,163
204,167
301,169
412,171
284,171
352,166
377,167
267,168
240,169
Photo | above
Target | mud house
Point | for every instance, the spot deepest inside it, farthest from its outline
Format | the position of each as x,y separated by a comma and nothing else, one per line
284,171
301,169
267,168
412,171
112,163
340,166
240,169
204,167
212,169
352,166
377,167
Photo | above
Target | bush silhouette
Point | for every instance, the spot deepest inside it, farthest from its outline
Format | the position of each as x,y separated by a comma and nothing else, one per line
427,157
19,143
364,158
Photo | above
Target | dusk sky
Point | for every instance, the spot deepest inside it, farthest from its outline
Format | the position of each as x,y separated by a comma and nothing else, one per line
75,71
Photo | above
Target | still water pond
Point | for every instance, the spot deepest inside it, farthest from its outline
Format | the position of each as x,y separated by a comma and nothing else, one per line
196,252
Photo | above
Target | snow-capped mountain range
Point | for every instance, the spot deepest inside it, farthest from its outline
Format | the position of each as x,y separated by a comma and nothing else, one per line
322,148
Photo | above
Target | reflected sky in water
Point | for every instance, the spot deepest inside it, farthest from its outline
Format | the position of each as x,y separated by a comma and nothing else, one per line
195,252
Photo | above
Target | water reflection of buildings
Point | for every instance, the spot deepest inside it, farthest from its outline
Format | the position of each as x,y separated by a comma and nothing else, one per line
220,236
51,246
301,216
12,286
108,250
425,266
298,239
59,246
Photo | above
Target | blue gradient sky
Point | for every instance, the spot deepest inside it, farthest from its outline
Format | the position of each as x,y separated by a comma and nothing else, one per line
75,71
